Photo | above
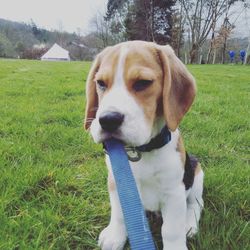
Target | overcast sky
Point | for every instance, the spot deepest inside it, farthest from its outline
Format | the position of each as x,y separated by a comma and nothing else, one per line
53,14
70,15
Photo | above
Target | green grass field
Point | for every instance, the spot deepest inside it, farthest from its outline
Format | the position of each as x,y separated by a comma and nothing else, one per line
53,191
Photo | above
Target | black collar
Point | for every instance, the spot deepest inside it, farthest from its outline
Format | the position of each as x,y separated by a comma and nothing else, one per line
157,142
163,138
160,140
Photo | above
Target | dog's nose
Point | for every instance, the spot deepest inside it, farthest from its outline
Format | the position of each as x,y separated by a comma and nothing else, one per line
111,121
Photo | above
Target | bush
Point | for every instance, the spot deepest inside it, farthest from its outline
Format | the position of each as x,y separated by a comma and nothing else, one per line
6,48
34,53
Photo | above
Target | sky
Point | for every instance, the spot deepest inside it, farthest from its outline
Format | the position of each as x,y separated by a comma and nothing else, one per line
75,15
68,15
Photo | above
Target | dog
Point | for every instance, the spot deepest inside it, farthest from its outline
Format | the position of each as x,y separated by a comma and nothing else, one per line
138,92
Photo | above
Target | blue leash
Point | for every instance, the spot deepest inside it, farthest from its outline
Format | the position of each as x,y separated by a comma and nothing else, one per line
139,234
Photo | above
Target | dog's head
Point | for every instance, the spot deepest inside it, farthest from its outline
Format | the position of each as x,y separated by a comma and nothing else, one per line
133,89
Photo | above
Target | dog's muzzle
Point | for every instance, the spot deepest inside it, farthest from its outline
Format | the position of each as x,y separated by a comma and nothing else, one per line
111,121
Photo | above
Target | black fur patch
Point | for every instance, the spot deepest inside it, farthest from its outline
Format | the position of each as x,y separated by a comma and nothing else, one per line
190,166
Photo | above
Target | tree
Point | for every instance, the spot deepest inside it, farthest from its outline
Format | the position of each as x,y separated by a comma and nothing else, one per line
1,49
202,17
102,30
19,48
35,29
34,53
219,39
138,22
6,48
177,37
228,27
114,7
163,15
224,33
149,20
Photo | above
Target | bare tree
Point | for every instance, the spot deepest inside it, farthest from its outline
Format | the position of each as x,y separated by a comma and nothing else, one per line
225,32
247,6
229,24
219,38
107,31
219,41
60,37
202,17
213,25
178,29
102,29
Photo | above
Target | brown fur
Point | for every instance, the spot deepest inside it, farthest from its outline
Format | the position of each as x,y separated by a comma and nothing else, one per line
179,87
111,182
181,149
172,91
103,68
91,95
197,169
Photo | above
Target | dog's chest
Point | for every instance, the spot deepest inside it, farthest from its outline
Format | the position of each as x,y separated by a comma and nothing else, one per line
156,174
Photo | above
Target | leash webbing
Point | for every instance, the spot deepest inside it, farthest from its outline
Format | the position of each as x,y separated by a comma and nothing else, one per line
139,234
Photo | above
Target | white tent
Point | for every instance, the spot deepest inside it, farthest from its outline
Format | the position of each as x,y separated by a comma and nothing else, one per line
56,53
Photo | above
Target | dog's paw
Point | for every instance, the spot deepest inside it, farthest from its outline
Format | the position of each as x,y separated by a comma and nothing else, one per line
112,238
174,246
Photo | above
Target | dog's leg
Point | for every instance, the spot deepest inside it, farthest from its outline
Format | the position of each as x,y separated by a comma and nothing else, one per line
174,218
114,236
194,205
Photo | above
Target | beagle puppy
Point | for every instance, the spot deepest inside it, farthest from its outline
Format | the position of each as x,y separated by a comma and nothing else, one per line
138,92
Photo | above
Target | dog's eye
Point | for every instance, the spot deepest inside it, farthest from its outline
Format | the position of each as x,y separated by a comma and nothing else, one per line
141,85
102,85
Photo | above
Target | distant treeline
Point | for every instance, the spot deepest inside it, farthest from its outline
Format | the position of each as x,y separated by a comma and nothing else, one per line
128,20
21,40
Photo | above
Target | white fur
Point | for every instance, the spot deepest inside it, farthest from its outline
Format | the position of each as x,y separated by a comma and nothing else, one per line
158,174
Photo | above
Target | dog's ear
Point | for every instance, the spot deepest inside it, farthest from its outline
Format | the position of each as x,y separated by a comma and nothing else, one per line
178,87
91,94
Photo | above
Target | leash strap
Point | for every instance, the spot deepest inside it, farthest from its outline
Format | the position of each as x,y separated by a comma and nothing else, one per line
139,234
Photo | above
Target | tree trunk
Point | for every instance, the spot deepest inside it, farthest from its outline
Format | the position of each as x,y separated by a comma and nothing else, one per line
209,54
224,51
214,57
201,56
179,37
152,20
186,59
194,53
210,48
245,62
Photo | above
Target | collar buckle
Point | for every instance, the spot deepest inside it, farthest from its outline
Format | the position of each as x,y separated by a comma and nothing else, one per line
133,154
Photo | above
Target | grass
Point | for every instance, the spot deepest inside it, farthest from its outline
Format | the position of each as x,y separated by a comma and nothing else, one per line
53,191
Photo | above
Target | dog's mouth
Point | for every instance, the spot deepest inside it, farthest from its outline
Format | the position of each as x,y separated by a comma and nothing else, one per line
121,137
116,135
